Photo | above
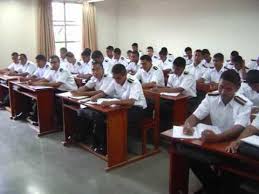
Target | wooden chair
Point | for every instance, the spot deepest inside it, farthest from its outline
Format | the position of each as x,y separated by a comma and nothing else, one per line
151,122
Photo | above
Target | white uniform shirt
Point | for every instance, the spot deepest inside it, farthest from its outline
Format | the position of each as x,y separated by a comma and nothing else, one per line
212,75
29,68
188,61
255,122
229,65
236,112
121,60
86,67
196,71
167,64
74,68
131,89
208,64
247,91
108,65
253,65
155,74
185,81
63,76
240,72
132,66
43,72
96,84
14,67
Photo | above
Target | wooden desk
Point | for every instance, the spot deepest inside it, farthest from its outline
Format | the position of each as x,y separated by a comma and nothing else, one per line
45,98
179,108
117,153
179,169
4,88
206,87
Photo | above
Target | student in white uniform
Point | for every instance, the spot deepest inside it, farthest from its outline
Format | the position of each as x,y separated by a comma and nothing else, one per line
129,52
128,92
134,64
255,64
212,75
14,66
73,65
99,81
134,47
109,53
207,59
149,75
97,56
229,63
231,114
250,88
166,63
117,58
197,68
86,71
63,59
188,55
150,52
240,67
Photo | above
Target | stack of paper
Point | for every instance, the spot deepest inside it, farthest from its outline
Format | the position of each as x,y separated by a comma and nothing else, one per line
169,94
252,140
69,95
100,100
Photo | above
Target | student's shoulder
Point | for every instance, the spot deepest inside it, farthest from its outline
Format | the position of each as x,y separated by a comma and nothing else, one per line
242,100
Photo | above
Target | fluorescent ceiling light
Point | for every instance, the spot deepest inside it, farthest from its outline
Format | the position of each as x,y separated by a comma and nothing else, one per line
94,1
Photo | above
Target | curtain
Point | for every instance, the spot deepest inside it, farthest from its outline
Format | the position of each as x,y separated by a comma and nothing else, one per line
46,41
89,27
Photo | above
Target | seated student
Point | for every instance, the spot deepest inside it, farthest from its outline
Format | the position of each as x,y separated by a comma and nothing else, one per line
109,53
231,114
117,58
197,68
250,88
229,63
149,75
133,66
72,65
188,55
165,62
150,52
207,59
86,71
129,52
255,64
99,81
63,59
135,48
14,66
130,93
213,75
239,67
97,56
27,67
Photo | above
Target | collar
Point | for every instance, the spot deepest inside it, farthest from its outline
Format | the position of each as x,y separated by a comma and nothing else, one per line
231,103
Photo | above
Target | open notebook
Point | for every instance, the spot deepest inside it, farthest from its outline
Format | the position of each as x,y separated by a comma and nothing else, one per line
169,94
252,140
100,100
177,131
69,95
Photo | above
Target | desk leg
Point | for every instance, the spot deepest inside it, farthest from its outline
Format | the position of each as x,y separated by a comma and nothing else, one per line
180,111
179,172
69,123
17,101
116,137
46,111
1,93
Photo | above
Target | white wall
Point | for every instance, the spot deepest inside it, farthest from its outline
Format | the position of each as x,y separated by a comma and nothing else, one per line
219,25
18,29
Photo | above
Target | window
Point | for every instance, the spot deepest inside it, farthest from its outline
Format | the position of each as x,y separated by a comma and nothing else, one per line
67,26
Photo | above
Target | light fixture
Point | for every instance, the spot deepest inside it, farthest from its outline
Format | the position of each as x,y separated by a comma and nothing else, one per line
94,1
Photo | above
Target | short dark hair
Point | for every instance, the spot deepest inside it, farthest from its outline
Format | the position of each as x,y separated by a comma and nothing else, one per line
179,62
97,54
41,58
117,51
63,49
234,53
198,51
119,69
54,57
96,63
14,54
219,56
135,53
135,44
188,49
146,57
129,51
110,48
205,51
70,54
86,52
238,59
252,77
163,52
150,48
232,76
23,55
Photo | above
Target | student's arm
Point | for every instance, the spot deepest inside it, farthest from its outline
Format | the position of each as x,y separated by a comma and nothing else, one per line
189,124
129,102
169,90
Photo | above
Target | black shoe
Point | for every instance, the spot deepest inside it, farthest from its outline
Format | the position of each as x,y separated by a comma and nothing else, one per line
101,150
21,116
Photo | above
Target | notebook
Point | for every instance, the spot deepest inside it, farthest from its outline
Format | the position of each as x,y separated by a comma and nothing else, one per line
169,94
252,140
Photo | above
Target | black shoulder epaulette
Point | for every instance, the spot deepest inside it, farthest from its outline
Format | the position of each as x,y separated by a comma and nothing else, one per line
130,80
78,63
170,54
246,67
211,67
47,66
155,57
105,75
204,66
226,68
106,61
213,94
122,58
170,60
254,60
240,100
185,73
60,69
228,60
155,67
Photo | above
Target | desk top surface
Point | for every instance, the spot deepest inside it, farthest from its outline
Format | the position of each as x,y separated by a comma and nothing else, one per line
30,87
174,98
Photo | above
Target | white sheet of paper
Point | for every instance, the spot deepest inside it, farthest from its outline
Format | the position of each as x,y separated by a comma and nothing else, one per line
69,95
169,94
252,140
39,87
